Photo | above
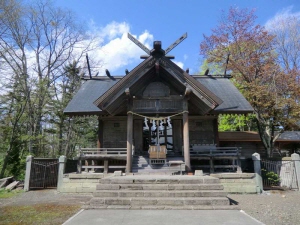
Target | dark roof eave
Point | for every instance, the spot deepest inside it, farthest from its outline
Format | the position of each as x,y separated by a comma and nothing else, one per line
89,113
224,111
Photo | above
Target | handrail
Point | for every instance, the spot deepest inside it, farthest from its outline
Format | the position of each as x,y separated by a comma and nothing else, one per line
102,151
216,151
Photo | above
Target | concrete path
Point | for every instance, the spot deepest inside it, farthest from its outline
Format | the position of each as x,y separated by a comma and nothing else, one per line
159,217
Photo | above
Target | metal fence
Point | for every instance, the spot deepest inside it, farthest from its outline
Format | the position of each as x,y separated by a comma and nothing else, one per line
44,173
279,174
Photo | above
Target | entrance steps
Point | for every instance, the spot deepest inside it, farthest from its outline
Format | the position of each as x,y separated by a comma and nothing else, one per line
159,192
141,165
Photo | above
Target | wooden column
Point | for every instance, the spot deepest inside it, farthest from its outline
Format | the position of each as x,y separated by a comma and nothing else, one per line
100,133
129,141
186,141
216,132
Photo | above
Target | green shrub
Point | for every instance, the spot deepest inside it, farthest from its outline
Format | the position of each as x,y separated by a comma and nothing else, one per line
272,177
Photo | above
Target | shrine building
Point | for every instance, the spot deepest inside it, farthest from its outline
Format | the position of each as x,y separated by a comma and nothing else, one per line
160,112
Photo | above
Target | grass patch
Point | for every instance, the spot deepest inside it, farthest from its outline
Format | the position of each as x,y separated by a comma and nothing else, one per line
8,194
37,214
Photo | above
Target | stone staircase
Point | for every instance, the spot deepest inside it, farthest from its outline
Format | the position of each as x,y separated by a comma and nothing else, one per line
159,192
140,165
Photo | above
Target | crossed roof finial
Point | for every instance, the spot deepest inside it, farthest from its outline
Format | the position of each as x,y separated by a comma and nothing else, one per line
157,50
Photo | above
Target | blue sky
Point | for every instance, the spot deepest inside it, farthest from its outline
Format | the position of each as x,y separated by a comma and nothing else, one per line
164,20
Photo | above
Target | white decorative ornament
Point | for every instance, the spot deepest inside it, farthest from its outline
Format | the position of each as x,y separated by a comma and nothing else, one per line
169,122
161,127
146,123
153,128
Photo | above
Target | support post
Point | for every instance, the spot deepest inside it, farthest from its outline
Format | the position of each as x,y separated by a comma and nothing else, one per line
216,132
257,171
100,133
211,165
129,142
29,160
79,162
296,160
61,170
105,170
79,165
186,141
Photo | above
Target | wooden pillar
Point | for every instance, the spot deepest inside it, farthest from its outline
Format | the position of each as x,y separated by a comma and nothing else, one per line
216,132
99,139
100,133
186,141
129,141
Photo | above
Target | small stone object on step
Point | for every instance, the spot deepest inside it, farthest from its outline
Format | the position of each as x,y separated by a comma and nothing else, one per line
198,172
118,173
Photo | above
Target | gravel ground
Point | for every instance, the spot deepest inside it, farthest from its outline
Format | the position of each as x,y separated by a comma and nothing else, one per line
271,208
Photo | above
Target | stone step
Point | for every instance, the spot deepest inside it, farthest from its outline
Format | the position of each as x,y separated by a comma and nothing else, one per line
140,161
176,201
166,187
160,193
142,164
164,207
147,170
160,180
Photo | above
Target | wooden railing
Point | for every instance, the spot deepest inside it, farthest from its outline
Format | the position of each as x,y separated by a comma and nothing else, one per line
102,151
211,153
91,155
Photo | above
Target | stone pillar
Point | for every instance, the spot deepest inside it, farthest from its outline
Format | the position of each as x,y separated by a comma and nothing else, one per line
129,142
61,170
186,141
29,160
296,160
257,170
79,165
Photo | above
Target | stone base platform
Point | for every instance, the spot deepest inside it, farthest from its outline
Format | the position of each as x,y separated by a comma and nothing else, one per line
159,192
87,182
239,183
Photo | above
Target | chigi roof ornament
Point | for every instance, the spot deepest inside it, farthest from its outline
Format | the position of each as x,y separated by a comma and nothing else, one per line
157,50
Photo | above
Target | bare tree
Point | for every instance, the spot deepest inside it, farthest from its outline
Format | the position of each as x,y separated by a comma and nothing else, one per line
287,40
36,41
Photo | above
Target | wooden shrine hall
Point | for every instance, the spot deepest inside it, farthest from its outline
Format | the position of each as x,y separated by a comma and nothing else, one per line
158,111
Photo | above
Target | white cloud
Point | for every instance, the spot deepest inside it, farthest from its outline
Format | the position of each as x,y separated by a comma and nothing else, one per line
185,57
178,63
286,13
116,49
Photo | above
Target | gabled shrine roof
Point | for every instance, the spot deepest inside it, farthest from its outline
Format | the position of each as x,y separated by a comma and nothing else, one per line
200,95
83,101
90,90
233,100
115,99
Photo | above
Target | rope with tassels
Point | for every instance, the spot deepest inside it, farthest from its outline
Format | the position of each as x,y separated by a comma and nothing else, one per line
156,118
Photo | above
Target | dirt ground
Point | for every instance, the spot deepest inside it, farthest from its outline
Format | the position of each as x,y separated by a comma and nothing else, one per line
271,208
